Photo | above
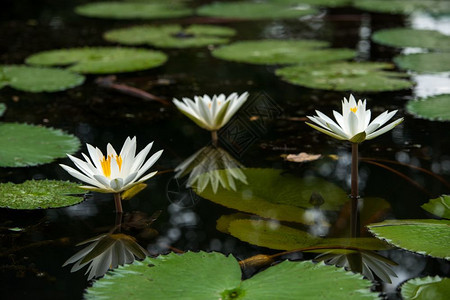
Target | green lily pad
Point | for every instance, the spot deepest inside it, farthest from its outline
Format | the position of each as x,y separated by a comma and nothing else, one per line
320,3
136,10
273,235
406,37
254,11
38,194
100,60
33,79
426,288
26,145
439,206
428,237
424,62
215,276
270,52
435,108
171,36
346,76
271,194
2,109
403,6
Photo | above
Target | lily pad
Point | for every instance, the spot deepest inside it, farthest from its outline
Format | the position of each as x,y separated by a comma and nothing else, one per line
100,60
424,62
346,76
428,237
406,37
403,6
26,145
2,109
255,11
439,206
320,3
435,108
215,276
271,194
273,235
270,52
39,194
33,79
426,288
133,10
171,36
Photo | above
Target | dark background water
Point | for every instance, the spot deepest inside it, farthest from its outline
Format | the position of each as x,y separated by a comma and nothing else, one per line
31,261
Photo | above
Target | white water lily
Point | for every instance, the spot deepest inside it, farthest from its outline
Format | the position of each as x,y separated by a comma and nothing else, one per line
354,124
114,172
211,113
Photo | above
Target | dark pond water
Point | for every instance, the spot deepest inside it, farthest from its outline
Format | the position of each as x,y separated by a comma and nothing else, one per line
31,261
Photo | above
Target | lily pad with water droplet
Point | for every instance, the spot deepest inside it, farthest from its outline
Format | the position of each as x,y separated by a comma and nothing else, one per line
271,52
346,76
171,36
205,276
34,79
39,194
427,237
100,60
133,10
254,11
406,37
424,62
435,108
26,145
271,194
2,109
426,288
403,6
439,206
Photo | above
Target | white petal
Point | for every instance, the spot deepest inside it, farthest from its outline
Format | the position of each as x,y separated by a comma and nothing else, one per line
352,124
367,118
326,118
149,163
339,119
116,184
82,177
148,176
371,128
85,167
94,156
384,129
140,158
110,150
129,179
103,180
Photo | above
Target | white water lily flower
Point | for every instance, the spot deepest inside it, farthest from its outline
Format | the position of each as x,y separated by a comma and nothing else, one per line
114,172
211,113
354,124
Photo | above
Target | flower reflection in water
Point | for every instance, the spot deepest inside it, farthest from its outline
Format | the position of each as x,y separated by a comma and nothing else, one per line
211,165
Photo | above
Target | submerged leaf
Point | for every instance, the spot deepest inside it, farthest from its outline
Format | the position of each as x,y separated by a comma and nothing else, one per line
214,276
406,37
100,60
272,52
428,237
34,79
426,288
424,62
435,108
439,206
171,36
120,10
28,145
38,194
346,76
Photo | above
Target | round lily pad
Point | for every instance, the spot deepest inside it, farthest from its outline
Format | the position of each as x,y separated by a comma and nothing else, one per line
2,109
426,288
406,37
205,276
269,52
403,6
101,60
435,108
428,237
133,10
26,145
33,79
424,62
252,11
38,194
439,206
346,76
171,36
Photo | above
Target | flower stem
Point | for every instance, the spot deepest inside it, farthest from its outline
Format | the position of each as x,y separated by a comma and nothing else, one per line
118,202
214,138
354,193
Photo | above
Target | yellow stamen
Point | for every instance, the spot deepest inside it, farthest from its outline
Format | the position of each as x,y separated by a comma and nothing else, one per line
106,164
210,104
354,109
